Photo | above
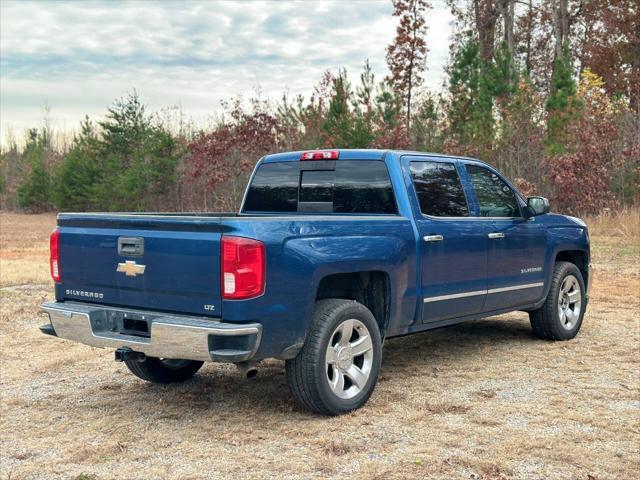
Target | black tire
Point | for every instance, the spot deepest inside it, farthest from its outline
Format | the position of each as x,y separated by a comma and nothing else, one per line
308,374
163,371
546,321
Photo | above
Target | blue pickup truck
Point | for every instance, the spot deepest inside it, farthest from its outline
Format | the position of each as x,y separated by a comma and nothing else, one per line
332,252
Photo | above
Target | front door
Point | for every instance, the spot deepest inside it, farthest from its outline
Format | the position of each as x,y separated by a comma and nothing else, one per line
453,245
517,246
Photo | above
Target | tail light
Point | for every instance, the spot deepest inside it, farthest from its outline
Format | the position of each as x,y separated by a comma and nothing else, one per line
320,155
54,257
243,268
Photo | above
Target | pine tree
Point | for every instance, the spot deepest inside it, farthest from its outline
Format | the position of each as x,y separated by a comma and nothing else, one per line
338,122
364,114
470,116
137,158
78,174
33,192
390,131
503,75
425,134
125,126
562,105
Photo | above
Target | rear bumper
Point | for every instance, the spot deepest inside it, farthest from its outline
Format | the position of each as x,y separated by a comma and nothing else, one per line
169,336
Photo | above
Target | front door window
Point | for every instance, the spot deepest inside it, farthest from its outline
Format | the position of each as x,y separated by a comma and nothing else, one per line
496,198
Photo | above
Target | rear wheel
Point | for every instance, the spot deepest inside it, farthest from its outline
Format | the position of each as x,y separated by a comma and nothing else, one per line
560,317
337,369
163,370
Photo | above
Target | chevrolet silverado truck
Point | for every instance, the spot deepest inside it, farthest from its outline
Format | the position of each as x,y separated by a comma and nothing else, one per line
332,252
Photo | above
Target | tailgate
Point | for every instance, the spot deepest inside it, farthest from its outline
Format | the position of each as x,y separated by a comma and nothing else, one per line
162,265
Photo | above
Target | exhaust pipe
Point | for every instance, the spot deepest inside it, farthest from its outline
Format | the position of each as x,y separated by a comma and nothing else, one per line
247,369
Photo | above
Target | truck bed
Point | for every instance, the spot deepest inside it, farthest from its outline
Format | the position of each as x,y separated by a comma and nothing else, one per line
181,254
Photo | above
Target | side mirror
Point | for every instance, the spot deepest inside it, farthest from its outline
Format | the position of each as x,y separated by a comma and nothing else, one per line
537,206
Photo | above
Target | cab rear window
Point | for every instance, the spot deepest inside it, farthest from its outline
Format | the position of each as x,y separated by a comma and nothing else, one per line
342,186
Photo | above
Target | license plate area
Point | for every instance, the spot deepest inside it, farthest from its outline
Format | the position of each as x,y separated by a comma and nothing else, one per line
135,326
126,323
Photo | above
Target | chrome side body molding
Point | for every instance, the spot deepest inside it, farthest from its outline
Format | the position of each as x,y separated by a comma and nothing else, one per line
482,292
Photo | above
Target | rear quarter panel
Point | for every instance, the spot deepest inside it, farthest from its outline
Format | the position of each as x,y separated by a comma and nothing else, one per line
301,250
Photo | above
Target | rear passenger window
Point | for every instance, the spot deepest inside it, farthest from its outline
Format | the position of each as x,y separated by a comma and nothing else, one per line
363,187
496,198
274,188
352,186
439,190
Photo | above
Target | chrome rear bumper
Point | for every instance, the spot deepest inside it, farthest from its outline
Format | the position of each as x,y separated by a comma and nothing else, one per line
169,336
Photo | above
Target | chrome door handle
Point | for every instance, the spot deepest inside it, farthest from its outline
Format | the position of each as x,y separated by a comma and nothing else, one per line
433,238
496,235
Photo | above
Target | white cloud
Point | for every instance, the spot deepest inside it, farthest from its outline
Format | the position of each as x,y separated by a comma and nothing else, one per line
77,57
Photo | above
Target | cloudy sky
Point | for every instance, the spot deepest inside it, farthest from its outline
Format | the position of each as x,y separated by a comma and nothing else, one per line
76,57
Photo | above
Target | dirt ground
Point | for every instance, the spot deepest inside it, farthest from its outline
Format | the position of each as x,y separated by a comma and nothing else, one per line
482,400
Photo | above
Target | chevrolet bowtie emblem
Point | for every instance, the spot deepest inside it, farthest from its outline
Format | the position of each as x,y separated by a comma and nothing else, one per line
130,268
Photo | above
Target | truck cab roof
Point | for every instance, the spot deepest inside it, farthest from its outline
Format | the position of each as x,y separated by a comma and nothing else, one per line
361,154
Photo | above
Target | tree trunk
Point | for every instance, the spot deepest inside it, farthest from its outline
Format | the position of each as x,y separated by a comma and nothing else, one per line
560,15
507,8
634,101
409,108
486,17
413,56
529,37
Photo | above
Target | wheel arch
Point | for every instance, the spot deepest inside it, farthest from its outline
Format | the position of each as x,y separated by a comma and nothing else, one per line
372,288
579,258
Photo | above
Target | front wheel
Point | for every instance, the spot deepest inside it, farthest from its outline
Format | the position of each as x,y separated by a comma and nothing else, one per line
163,370
560,317
337,369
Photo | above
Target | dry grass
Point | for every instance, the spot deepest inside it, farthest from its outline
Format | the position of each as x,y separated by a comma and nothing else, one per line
616,243
24,248
621,223
483,400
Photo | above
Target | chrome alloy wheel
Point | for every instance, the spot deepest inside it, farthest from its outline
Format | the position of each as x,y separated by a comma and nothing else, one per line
569,302
349,358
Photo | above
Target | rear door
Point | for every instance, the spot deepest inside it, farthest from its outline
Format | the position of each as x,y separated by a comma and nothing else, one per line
516,245
153,265
453,244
